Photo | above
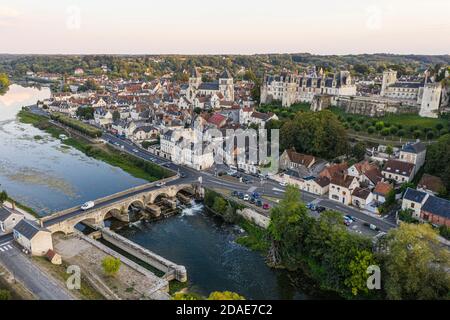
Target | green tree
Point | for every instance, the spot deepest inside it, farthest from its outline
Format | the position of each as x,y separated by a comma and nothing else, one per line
3,197
116,115
111,265
4,82
415,264
389,150
86,113
225,295
220,205
357,281
5,294
359,150
438,158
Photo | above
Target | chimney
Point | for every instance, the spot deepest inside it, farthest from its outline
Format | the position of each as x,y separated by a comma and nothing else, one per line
41,223
13,205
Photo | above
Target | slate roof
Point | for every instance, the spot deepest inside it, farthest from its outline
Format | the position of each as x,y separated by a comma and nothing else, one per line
4,214
416,147
414,195
407,85
322,181
209,86
28,229
225,75
437,206
361,193
342,180
399,167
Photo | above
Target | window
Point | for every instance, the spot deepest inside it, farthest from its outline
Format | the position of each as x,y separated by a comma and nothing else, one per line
412,205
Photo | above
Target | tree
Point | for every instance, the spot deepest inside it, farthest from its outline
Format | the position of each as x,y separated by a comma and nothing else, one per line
359,150
111,265
289,222
318,133
438,158
220,205
5,295
370,130
379,125
389,150
4,82
225,295
357,281
3,197
86,113
116,115
415,264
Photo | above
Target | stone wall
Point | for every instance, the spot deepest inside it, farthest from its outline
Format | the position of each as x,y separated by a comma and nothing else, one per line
254,217
375,107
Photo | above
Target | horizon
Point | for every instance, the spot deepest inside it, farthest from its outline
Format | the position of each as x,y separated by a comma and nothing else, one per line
239,28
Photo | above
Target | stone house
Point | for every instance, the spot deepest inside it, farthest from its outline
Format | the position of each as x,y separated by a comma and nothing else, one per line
341,188
34,238
8,219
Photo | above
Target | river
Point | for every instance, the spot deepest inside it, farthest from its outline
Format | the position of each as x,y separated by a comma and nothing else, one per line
40,172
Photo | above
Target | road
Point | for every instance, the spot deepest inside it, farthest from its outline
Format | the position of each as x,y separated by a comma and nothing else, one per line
43,286
269,188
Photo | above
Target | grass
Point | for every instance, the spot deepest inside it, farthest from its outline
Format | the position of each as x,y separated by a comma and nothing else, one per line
24,208
86,292
131,164
256,238
284,112
176,286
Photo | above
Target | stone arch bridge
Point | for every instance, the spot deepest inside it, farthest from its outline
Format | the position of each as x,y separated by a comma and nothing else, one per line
116,207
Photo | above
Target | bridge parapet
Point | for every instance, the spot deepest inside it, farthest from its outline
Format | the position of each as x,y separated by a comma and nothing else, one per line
107,198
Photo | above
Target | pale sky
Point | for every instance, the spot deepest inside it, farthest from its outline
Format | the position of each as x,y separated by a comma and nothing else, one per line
227,26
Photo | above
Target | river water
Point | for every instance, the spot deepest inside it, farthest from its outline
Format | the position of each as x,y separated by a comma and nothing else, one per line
47,176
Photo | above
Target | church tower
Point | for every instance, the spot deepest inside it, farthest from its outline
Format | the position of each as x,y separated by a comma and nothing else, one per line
195,79
389,77
226,85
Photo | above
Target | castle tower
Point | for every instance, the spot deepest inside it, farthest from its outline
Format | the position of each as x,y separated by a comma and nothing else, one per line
431,100
389,77
195,79
226,85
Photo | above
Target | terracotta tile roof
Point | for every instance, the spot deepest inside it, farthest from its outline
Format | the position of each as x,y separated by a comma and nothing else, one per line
361,193
322,181
334,169
382,188
342,180
300,158
433,183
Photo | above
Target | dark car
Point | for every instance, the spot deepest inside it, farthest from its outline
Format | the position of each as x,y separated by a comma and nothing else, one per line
350,217
241,195
182,175
256,195
320,209
235,193
252,200
259,203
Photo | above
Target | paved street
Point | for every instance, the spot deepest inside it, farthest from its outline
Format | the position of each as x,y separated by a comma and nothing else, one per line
25,271
269,188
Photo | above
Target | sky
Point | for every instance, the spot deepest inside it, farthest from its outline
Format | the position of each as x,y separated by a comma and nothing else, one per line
224,27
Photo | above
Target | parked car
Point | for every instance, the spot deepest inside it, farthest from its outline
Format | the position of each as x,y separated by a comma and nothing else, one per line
320,209
311,206
241,195
182,175
266,206
350,217
135,150
283,184
252,200
167,165
88,205
347,222
235,193
256,195
246,197
259,203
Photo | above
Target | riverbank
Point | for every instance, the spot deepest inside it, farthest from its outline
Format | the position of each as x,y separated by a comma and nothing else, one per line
130,164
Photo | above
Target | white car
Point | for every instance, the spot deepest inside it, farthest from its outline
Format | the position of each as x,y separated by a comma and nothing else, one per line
135,150
283,184
246,197
88,205
160,184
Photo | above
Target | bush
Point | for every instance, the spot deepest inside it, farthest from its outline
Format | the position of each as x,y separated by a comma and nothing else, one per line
77,125
393,130
370,130
379,125
430,135
385,131
401,133
356,127
111,265
444,231
417,134
5,295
